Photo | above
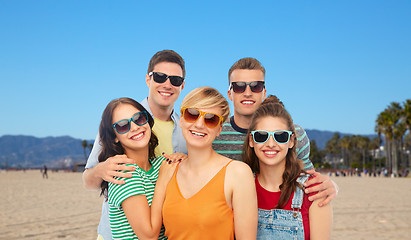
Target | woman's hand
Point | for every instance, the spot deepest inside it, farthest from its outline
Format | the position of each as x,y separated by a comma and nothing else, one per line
176,157
166,171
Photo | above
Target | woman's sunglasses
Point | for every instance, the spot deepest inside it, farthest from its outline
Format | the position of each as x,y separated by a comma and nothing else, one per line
123,126
211,120
255,86
162,77
261,136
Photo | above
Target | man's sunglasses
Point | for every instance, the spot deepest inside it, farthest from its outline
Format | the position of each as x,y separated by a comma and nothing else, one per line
255,86
261,136
123,126
211,120
162,77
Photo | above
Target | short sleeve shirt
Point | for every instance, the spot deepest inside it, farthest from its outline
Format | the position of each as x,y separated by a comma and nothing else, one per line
141,183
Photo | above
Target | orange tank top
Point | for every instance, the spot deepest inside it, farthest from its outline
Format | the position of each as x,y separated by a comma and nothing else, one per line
205,215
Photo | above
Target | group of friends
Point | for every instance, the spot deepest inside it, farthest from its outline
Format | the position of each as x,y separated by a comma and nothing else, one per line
196,172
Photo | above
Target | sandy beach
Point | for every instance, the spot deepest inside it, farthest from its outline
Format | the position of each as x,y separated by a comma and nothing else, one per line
60,208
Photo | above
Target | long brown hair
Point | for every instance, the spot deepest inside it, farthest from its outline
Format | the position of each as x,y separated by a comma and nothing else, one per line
271,107
109,147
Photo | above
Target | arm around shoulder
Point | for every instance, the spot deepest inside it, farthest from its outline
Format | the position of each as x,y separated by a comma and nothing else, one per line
244,200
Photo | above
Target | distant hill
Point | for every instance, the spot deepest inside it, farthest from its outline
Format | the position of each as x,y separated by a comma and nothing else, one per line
321,137
62,152
31,152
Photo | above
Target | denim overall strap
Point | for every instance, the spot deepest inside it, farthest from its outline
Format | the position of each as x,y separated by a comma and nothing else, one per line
299,193
283,224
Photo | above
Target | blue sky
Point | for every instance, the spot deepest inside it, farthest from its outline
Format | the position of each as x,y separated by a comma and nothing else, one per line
335,65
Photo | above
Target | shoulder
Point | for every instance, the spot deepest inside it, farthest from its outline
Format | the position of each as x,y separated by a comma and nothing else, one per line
239,168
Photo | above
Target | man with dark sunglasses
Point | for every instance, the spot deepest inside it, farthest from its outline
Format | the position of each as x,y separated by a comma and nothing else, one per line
247,92
165,80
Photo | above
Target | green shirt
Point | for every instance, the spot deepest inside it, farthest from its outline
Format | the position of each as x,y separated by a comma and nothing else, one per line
141,183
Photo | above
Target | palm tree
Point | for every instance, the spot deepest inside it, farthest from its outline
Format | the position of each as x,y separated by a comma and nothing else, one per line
395,110
345,144
407,120
363,143
407,113
374,146
332,147
84,144
383,128
389,124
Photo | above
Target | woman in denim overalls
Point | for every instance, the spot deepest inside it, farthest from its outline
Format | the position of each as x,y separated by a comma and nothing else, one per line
284,209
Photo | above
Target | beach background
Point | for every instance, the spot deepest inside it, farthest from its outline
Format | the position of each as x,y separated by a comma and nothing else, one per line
60,208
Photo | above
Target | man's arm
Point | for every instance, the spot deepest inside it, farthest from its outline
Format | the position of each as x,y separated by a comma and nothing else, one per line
96,171
327,189
303,147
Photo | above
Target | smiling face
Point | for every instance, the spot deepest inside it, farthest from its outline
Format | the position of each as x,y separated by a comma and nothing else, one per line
197,134
247,102
138,137
164,95
271,153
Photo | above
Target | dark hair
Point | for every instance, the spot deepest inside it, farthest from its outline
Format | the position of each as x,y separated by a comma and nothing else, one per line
272,107
247,64
166,56
109,147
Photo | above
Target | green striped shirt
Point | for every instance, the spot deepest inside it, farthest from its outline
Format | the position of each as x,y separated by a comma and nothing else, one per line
231,139
141,183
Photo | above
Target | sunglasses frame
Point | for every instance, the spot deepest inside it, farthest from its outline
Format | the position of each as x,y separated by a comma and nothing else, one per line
290,133
248,84
171,78
183,110
129,122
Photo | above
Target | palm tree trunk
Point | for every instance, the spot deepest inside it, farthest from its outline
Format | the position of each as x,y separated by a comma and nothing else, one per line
394,158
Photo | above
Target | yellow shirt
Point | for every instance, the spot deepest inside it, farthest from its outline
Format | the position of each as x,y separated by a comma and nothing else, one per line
164,132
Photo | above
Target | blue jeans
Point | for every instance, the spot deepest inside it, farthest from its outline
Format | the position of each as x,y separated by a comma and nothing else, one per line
280,223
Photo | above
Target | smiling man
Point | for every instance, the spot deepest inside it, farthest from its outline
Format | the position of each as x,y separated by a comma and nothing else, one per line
165,80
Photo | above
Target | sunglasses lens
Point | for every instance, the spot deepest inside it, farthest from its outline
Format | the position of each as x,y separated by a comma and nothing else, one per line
176,81
159,77
281,137
238,87
140,118
260,136
211,120
191,114
123,126
257,86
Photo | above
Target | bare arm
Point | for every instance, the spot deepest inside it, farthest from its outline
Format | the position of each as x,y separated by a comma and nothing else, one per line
244,201
327,189
107,170
321,219
146,222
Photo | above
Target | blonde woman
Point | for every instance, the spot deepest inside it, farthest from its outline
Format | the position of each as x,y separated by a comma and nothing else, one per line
209,196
